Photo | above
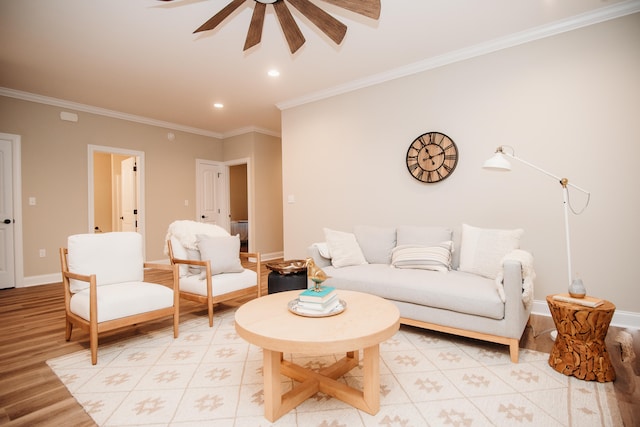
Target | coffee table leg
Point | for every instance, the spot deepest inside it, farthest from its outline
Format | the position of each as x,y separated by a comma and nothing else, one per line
371,380
272,386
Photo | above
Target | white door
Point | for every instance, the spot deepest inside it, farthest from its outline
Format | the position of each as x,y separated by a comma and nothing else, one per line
212,199
7,264
128,195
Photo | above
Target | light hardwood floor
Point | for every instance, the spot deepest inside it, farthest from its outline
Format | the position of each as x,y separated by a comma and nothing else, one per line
32,325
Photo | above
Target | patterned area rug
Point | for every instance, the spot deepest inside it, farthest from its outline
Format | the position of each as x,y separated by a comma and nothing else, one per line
211,376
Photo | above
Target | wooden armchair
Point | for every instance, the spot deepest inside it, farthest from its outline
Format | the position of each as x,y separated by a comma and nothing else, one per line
213,273
104,288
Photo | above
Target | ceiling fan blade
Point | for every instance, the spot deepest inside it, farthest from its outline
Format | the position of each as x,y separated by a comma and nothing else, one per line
369,8
291,30
254,35
216,19
329,25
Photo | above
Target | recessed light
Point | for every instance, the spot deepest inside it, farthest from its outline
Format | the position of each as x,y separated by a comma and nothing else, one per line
218,105
273,73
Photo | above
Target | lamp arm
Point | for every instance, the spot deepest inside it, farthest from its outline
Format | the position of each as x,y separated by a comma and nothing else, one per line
563,181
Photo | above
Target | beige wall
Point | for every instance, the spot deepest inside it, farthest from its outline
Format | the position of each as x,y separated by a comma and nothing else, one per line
55,168
568,103
265,187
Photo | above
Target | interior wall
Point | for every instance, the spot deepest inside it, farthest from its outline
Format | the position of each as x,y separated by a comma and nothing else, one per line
265,187
568,103
54,171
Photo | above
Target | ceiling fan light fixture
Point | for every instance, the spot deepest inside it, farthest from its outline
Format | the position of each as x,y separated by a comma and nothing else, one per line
218,105
273,73
329,25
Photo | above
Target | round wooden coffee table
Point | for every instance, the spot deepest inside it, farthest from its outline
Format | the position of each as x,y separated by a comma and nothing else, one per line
367,321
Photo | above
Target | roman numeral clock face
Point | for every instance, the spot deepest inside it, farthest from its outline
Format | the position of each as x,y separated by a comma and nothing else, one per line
432,157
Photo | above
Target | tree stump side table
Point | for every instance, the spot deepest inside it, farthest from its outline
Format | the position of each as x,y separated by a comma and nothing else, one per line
579,349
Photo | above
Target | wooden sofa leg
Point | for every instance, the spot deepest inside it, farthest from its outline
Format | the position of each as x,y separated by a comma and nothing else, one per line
514,348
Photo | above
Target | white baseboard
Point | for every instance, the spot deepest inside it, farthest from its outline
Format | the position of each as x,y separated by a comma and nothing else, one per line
270,256
622,319
44,279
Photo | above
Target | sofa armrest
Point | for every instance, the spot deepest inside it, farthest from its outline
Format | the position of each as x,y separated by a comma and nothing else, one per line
515,311
313,252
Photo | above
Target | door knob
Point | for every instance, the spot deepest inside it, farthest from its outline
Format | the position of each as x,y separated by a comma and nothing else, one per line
7,221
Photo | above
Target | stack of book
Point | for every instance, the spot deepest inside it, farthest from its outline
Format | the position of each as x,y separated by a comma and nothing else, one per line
323,302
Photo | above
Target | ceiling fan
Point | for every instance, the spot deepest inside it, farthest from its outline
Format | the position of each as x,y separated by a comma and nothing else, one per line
333,28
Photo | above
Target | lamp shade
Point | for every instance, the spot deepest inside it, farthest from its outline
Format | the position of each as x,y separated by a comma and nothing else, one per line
497,162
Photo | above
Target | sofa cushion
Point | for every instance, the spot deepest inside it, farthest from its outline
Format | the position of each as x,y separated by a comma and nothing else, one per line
482,249
424,236
455,290
344,248
437,257
376,243
222,252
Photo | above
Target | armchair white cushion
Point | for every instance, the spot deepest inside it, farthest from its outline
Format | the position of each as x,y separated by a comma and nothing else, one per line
222,275
99,254
103,278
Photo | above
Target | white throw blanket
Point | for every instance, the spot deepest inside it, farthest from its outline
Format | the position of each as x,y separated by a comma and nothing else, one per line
528,275
186,232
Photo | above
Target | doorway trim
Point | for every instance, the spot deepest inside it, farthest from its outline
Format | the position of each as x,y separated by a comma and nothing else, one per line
18,259
91,149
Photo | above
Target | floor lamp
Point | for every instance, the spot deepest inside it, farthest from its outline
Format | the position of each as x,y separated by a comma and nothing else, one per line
500,163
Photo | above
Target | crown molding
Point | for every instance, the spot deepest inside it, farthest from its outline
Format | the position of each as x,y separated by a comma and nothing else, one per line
250,129
575,22
27,96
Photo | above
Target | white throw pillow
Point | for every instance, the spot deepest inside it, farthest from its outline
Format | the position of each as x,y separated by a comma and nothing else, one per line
223,253
437,257
482,249
344,248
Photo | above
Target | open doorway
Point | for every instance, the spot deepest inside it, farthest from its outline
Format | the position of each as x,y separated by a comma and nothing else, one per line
239,204
116,191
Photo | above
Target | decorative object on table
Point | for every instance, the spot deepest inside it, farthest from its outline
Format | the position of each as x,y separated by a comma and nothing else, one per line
318,303
576,289
288,266
287,275
579,349
298,307
316,274
432,157
584,300
500,163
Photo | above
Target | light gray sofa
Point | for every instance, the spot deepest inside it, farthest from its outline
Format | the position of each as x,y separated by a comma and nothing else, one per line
458,299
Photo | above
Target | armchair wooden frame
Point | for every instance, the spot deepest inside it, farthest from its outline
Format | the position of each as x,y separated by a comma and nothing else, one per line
93,326
210,299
